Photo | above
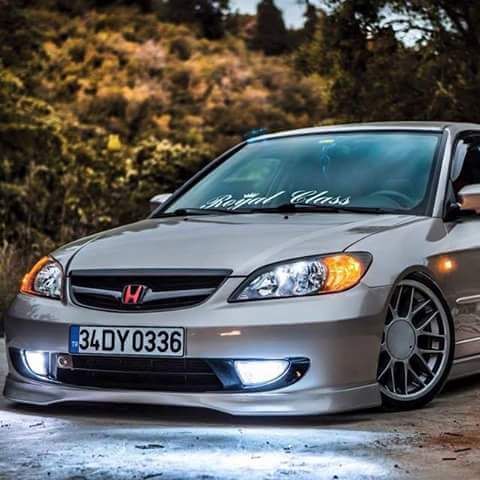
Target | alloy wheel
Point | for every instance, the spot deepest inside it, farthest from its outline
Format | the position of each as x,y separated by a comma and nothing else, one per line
416,343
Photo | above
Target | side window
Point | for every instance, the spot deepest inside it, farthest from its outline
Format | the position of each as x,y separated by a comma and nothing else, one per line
466,166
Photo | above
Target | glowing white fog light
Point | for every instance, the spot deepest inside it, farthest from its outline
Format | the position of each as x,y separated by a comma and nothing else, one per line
37,362
258,372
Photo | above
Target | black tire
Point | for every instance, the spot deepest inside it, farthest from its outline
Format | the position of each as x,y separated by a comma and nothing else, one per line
413,377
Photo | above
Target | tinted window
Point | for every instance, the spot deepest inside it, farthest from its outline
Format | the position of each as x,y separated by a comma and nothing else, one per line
467,160
390,170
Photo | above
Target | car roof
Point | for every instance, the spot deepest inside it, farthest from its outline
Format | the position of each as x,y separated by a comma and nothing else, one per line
454,127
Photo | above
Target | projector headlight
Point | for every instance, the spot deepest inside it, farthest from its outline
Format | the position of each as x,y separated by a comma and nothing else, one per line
302,277
44,279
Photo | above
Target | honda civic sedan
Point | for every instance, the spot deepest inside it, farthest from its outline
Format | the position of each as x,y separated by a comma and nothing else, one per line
312,271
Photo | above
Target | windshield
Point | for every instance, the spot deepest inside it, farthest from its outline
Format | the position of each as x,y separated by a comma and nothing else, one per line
389,171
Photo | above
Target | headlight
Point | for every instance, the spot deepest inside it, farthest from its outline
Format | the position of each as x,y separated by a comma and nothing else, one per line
44,279
308,276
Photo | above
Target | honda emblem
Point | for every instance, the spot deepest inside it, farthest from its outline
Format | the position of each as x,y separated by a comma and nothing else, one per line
133,294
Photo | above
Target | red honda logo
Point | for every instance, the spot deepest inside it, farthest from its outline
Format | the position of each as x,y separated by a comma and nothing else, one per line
133,294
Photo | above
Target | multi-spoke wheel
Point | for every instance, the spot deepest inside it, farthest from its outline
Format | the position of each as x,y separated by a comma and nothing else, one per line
417,346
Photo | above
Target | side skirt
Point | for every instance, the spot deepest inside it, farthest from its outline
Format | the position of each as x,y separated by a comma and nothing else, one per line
464,367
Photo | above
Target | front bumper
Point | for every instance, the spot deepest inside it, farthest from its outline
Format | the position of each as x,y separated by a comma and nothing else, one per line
339,333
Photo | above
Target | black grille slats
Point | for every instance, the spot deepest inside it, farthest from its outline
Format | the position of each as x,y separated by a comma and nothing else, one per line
166,289
140,364
179,375
160,282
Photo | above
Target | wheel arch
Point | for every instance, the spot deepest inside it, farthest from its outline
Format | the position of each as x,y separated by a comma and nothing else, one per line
423,274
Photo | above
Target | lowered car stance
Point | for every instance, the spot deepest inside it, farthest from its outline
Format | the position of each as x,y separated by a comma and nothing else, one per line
311,271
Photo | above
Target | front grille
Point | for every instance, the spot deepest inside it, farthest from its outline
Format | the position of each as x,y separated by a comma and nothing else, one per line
158,374
164,289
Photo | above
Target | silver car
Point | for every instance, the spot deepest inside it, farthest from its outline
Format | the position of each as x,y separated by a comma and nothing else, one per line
312,271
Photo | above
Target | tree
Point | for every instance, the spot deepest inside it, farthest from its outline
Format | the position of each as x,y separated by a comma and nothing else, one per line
374,75
311,21
210,14
339,51
447,51
271,35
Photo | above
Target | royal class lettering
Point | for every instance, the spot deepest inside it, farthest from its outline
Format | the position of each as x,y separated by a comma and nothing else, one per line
312,197
249,199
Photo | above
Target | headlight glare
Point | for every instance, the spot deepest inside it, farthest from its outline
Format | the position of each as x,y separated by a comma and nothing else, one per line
37,362
309,276
258,372
44,279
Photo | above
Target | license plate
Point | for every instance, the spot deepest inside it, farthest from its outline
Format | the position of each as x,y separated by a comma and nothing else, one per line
155,341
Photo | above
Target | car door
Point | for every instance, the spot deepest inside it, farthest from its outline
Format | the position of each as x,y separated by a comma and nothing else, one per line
463,249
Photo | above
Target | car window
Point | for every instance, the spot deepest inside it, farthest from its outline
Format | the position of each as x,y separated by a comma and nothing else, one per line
250,175
390,170
466,169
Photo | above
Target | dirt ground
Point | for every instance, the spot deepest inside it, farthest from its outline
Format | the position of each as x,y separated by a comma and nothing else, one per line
126,442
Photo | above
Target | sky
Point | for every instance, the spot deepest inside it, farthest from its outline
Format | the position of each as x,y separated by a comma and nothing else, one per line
292,11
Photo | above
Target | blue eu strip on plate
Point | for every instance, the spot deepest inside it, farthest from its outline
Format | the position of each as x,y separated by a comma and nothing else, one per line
74,337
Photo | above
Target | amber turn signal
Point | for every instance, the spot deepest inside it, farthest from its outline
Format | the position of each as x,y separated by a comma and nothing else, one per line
29,278
343,272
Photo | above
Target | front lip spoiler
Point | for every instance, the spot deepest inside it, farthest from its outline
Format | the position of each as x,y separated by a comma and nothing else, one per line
307,402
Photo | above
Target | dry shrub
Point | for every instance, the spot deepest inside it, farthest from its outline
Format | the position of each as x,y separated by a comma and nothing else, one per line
13,265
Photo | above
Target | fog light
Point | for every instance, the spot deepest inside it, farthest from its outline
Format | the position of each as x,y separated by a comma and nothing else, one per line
37,362
258,372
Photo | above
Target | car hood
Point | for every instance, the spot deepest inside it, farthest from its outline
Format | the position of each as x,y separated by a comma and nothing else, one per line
240,243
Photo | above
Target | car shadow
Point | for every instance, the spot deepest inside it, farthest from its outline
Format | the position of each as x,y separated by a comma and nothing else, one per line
462,385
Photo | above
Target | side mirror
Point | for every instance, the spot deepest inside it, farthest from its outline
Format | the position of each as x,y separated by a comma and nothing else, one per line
469,198
158,200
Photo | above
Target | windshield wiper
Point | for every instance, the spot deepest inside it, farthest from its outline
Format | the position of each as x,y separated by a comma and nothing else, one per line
181,212
307,207
283,208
